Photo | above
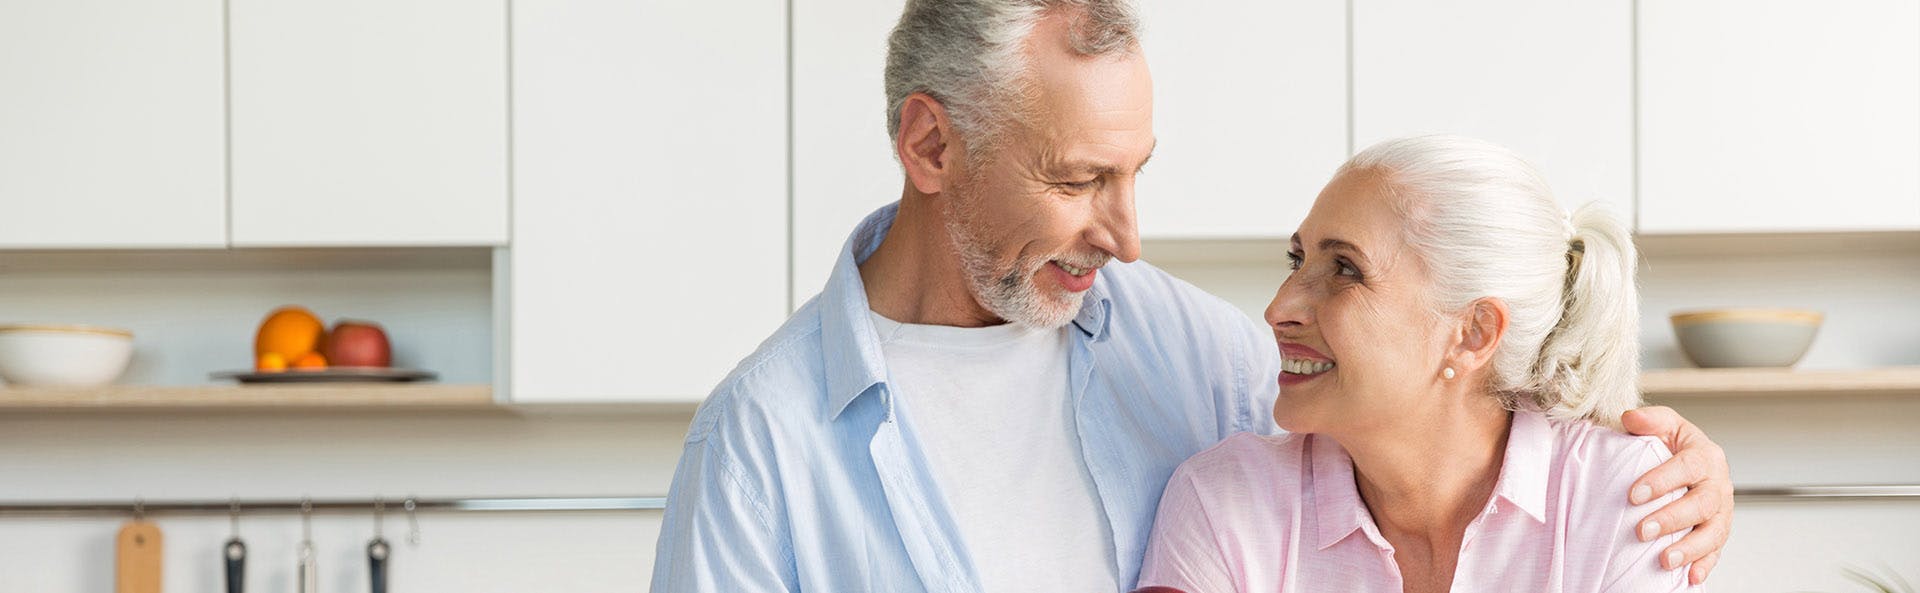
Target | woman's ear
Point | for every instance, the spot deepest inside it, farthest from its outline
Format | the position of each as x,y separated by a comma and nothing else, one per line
924,144
1480,335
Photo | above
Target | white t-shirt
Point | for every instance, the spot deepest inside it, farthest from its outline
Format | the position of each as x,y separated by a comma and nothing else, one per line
993,408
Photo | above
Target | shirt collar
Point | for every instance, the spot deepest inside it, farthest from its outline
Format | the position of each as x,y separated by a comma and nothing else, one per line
1339,511
1529,461
854,360
1096,310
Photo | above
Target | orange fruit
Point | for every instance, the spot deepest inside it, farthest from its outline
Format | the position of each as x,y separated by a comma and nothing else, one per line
290,331
270,362
310,361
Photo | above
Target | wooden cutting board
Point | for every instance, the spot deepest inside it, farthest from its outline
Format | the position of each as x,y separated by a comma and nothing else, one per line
137,558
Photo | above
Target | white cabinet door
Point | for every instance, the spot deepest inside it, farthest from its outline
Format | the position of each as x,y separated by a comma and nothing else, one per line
1250,110
1551,80
369,122
843,165
1777,115
112,128
650,195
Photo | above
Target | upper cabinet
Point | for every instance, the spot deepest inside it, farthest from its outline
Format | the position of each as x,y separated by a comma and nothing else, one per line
650,179
111,125
1250,110
369,122
1777,115
1551,80
843,165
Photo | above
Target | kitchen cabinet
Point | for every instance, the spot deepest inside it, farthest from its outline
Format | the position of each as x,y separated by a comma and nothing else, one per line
650,179
843,164
112,126
1250,113
369,122
1250,110
1551,80
1774,115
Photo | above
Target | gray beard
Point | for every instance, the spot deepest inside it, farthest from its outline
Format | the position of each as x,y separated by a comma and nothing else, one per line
1008,293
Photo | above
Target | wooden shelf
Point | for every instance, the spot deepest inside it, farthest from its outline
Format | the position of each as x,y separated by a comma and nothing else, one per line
1671,383
285,396
1657,384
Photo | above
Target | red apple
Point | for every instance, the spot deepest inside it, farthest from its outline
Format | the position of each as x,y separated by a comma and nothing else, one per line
358,344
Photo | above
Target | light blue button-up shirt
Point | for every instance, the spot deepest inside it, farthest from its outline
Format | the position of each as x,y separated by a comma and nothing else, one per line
802,471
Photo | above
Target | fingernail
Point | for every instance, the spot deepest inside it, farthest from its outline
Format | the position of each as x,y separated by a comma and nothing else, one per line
1641,493
1649,530
1673,559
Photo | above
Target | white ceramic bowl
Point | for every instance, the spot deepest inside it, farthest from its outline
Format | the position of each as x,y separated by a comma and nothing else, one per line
63,355
1722,338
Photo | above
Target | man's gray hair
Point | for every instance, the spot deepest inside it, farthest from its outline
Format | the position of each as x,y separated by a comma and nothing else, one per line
966,54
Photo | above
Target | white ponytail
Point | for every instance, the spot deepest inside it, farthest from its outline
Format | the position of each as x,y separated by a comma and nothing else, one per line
1592,358
1487,226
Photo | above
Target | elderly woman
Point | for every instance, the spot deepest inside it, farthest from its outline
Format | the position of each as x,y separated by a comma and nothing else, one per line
1456,350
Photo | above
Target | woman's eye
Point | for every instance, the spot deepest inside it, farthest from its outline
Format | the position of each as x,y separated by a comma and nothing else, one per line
1294,260
1347,269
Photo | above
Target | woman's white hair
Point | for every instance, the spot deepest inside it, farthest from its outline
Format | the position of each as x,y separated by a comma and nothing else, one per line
1486,225
967,55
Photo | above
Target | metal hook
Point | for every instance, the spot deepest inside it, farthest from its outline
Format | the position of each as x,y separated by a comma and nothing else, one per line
413,523
379,514
306,519
139,508
233,516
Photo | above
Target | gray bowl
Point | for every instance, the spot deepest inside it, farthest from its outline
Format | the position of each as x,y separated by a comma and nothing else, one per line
1723,338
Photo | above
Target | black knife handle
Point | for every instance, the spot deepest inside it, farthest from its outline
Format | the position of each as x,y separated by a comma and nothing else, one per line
235,555
377,553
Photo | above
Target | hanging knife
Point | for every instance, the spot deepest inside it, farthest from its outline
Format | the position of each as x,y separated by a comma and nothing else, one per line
236,556
309,572
377,553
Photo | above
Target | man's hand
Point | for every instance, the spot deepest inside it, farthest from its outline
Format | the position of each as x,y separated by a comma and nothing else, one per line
1697,464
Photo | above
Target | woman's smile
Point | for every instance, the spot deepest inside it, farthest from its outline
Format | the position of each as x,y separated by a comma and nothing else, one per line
1300,363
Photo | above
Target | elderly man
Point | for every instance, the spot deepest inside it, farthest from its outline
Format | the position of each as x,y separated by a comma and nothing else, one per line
978,401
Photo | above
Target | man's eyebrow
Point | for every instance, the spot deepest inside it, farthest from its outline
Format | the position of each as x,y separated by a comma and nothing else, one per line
1088,168
1099,168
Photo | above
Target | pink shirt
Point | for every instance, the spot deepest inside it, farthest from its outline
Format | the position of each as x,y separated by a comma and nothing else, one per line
1273,514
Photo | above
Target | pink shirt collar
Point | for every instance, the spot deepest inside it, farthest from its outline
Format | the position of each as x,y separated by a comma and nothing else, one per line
1338,510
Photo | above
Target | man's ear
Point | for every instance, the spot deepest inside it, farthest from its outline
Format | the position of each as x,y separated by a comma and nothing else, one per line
925,143
1480,334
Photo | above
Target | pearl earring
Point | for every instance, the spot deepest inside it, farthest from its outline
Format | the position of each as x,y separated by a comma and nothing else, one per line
1447,372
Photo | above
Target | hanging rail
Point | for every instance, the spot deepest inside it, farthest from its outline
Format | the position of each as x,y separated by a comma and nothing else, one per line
654,503
1856,492
254,507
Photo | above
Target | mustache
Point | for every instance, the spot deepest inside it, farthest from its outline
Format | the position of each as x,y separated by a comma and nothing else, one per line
1082,260
1026,266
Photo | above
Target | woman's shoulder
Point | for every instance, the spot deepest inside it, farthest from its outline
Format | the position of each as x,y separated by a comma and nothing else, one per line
1593,467
1246,463
1580,444
1245,451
